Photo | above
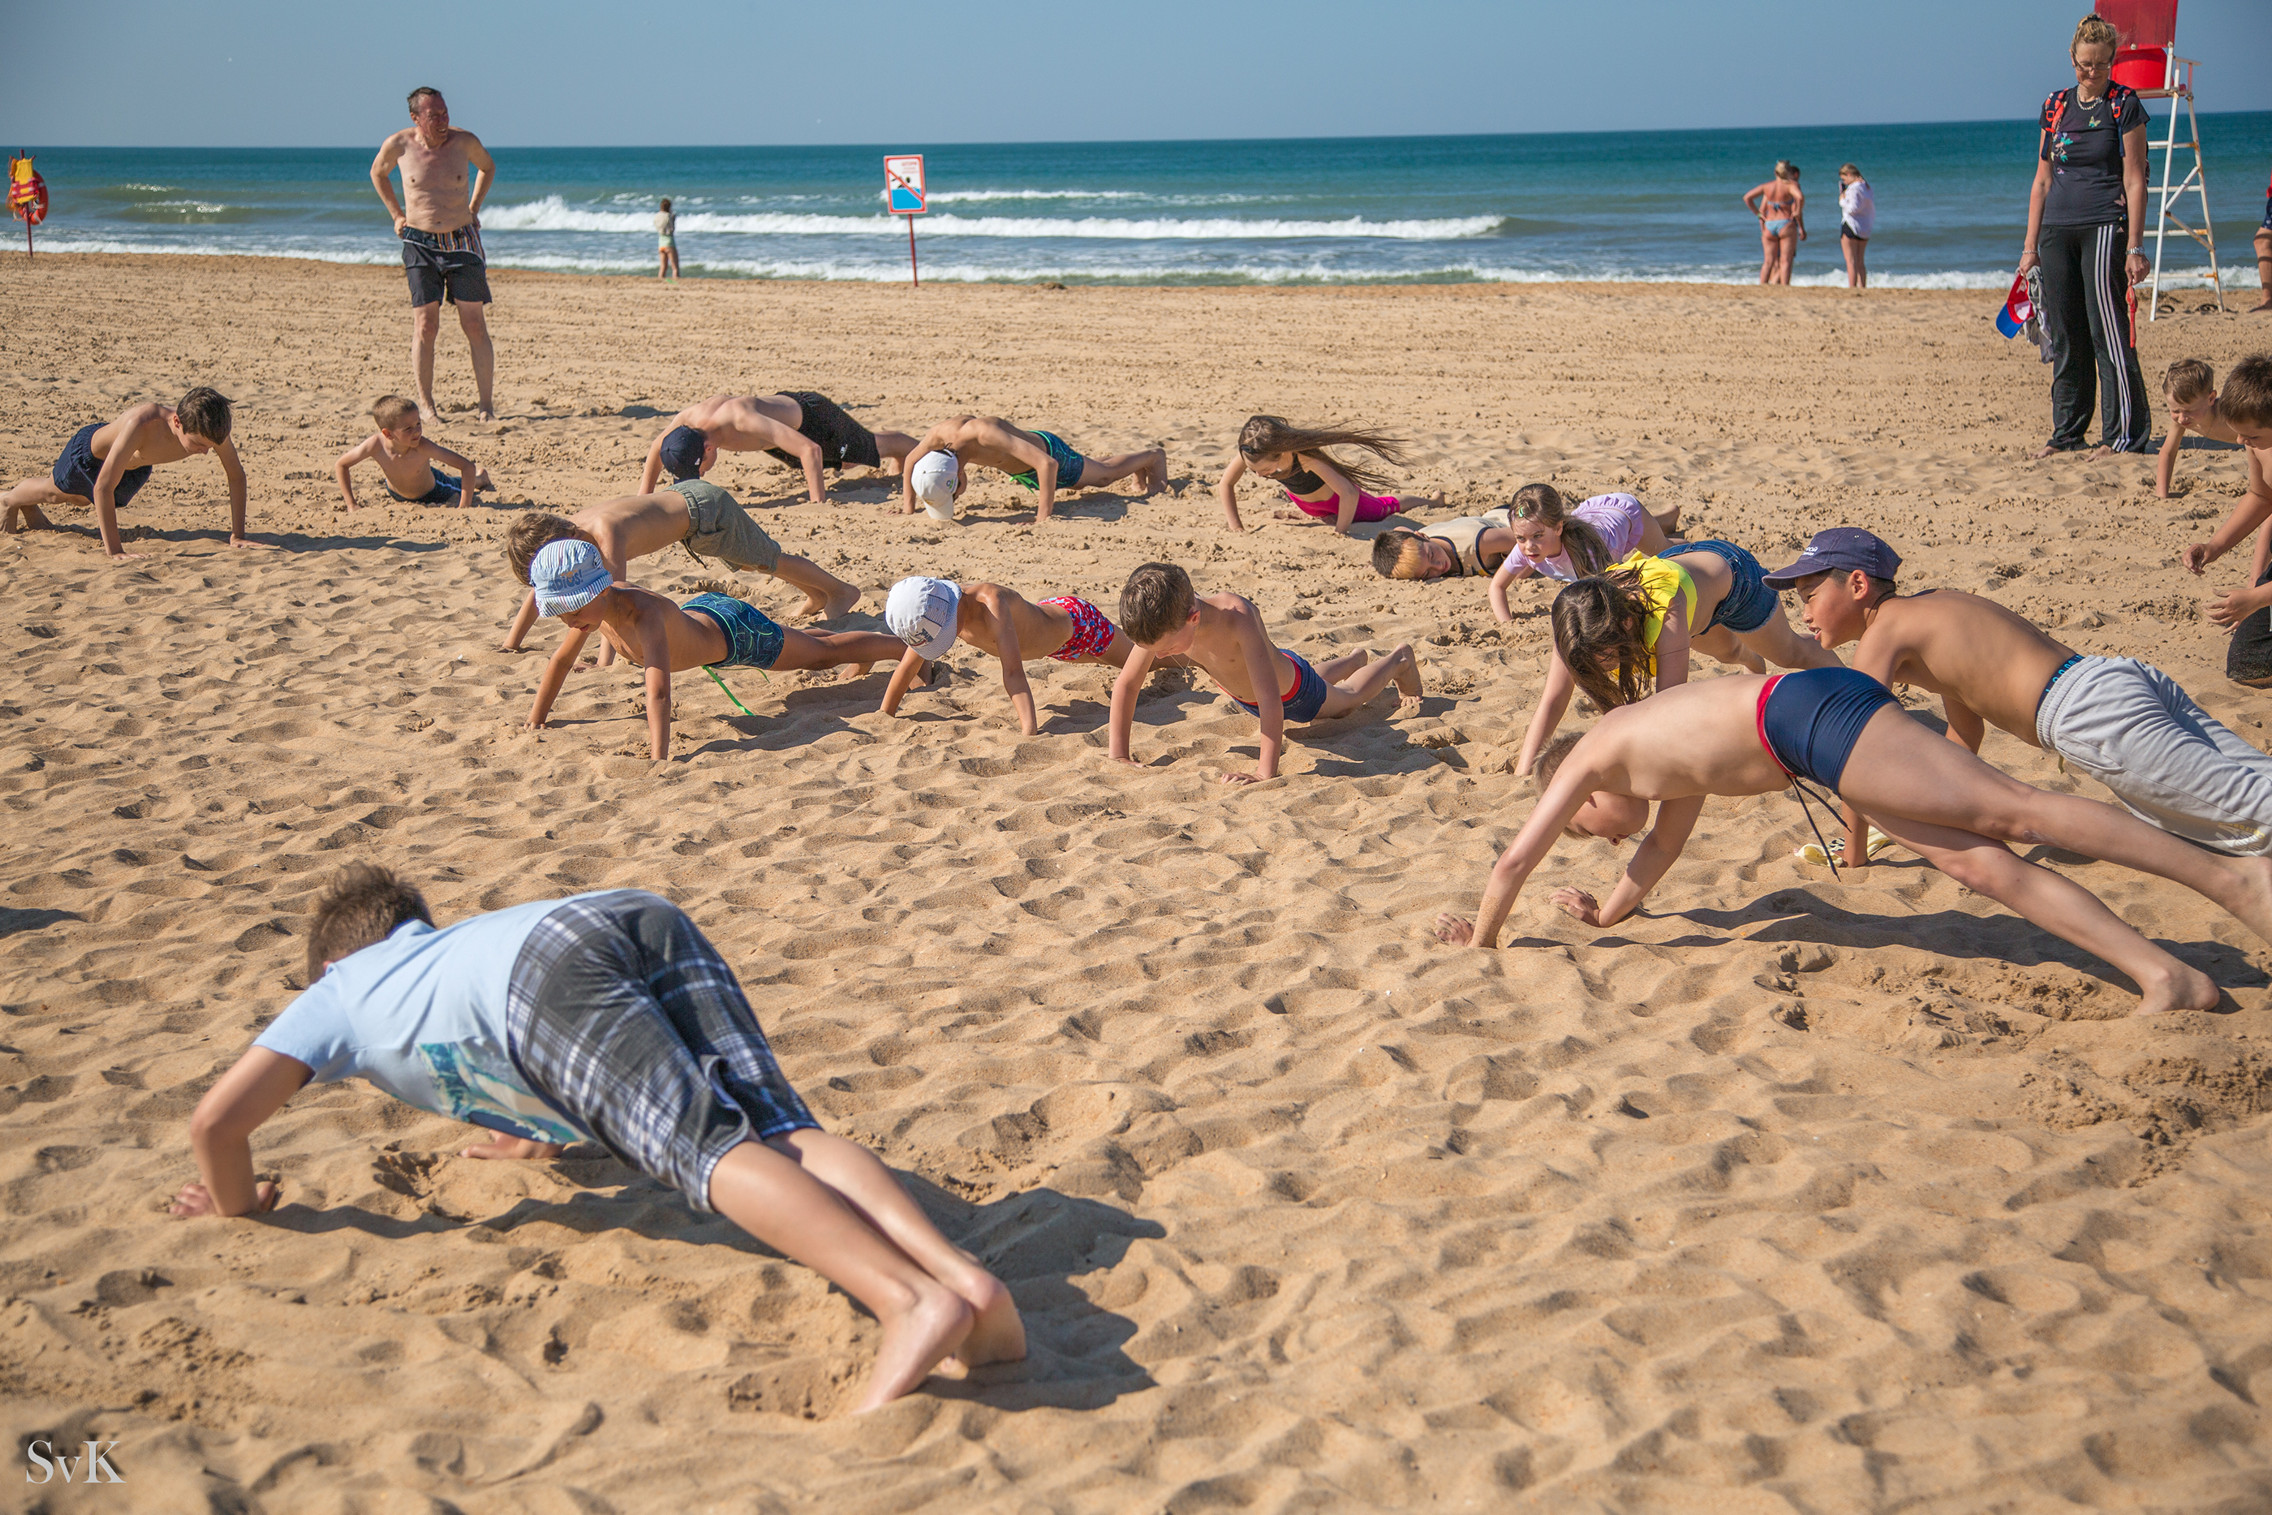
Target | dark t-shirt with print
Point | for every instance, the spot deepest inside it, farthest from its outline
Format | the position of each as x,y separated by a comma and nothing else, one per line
2083,145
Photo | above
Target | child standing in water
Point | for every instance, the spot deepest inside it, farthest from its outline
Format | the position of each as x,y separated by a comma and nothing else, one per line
1316,483
666,242
1639,620
1554,540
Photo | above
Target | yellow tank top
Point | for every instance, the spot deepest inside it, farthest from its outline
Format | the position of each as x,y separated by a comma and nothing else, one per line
1660,581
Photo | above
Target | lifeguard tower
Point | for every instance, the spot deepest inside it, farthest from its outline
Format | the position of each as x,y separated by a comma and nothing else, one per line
2146,60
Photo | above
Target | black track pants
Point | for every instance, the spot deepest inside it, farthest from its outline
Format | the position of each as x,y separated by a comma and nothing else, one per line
2093,356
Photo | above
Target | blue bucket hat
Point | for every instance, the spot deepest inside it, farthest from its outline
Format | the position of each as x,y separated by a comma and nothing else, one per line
567,576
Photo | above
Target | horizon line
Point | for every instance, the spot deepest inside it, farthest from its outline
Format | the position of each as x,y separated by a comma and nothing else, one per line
880,145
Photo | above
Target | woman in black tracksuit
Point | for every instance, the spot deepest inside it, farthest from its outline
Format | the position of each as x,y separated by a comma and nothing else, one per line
2085,227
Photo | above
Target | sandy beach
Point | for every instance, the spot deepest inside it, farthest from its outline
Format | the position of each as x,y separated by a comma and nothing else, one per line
1786,1195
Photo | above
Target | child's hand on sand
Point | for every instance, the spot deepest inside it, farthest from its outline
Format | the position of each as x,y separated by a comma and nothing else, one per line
514,1149
195,1200
2195,557
1580,904
2224,612
122,556
1456,930
1248,778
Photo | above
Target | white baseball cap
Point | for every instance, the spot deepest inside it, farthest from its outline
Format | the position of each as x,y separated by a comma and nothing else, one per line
923,613
933,480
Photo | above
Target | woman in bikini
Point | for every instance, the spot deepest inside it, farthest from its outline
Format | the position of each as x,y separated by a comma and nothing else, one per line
1781,207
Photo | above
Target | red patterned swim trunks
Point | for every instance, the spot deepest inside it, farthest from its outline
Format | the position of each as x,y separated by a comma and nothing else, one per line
1092,632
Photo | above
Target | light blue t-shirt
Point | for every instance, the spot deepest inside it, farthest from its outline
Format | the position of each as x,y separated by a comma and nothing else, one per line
422,1016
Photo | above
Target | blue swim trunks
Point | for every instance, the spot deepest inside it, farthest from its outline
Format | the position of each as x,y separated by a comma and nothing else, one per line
75,471
446,491
1809,721
752,639
1304,700
1749,601
1069,464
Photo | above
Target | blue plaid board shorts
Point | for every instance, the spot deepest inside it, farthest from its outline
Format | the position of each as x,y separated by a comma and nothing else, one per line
625,1019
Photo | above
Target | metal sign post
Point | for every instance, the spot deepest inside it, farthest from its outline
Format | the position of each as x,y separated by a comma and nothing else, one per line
904,196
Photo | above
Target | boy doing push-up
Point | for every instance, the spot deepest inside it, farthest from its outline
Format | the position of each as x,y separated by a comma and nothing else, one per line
1840,728
930,615
1223,633
938,469
603,1017
694,513
106,465
2123,722
708,631
411,465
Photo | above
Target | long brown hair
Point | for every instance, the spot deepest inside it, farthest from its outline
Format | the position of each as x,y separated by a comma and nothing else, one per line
1599,618
1543,503
1263,435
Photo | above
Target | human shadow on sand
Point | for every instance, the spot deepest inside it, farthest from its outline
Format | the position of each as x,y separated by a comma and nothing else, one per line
1035,1240
13,920
1793,916
288,541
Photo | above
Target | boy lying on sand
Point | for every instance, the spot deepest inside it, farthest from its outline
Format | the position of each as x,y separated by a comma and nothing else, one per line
603,1017
2243,414
694,513
2123,722
804,430
1839,728
408,461
1039,460
708,631
1223,633
929,615
107,465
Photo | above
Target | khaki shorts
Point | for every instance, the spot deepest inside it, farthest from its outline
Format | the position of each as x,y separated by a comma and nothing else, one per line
718,527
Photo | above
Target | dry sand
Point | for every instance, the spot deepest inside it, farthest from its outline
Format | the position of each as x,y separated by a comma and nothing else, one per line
1787,1195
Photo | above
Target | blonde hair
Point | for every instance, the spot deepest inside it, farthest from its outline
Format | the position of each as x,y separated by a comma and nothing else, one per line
2095,30
1848,168
2189,379
1786,169
393,412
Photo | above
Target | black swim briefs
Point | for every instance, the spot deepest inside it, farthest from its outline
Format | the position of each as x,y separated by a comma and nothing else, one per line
842,440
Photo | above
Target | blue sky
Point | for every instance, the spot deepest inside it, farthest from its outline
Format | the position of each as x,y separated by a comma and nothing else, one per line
569,72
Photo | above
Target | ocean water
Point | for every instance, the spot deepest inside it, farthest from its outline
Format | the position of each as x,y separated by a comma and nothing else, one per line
1648,206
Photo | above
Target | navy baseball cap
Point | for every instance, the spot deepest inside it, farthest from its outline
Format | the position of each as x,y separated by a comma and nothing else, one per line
1838,550
682,452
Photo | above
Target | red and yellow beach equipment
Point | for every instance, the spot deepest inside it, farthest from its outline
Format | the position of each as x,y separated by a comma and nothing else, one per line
27,196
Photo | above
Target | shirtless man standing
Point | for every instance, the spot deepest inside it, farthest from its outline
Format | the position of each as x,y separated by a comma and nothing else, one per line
439,223
1040,460
801,428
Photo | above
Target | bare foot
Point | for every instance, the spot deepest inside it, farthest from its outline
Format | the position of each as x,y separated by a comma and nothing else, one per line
1287,515
1153,476
19,518
2185,989
996,1332
486,413
1407,675
2263,304
914,1343
513,1149
840,602
428,412
1455,930
859,671
2047,451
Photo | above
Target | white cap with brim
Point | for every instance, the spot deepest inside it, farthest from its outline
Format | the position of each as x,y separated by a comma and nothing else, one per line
923,613
933,480
567,576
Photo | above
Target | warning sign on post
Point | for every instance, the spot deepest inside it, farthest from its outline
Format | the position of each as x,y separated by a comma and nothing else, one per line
903,184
